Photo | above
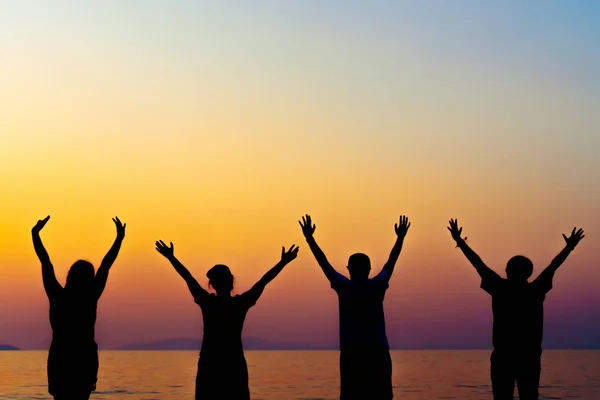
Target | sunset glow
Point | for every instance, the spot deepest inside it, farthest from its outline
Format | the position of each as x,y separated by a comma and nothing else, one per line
217,127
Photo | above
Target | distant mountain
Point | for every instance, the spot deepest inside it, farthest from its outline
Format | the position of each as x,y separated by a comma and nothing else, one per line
8,347
195,344
166,344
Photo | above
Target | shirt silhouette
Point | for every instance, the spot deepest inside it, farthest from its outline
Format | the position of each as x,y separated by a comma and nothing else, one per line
365,362
73,356
518,310
362,320
222,368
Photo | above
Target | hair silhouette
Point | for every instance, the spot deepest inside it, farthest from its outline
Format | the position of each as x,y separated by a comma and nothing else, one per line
73,356
519,268
365,362
518,310
220,278
359,266
80,276
222,369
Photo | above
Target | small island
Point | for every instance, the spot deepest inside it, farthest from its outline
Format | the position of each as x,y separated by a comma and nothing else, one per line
8,347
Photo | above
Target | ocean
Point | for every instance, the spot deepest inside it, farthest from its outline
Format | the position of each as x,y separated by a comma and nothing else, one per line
289,375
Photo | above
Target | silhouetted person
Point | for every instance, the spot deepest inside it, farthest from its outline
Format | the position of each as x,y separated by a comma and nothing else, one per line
518,308
365,362
73,355
222,369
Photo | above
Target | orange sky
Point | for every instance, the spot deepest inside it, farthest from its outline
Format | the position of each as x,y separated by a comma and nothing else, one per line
219,131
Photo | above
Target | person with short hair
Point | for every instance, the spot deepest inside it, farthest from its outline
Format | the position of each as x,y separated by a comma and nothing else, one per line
365,362
518,309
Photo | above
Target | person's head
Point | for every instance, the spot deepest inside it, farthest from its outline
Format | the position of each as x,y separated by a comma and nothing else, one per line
359,266
220,278
519,268
80,276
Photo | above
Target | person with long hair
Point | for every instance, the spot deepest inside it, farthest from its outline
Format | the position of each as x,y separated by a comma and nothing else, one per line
73,356
222,368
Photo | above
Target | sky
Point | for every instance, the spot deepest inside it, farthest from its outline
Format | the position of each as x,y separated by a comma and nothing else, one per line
217,125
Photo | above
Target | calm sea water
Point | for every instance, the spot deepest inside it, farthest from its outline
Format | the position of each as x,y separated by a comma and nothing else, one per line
287,375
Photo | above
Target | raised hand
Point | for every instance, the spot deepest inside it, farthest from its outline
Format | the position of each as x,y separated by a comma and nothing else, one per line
575,238
166,251
308,228
40,224
402,227
455,231
288,256
120,227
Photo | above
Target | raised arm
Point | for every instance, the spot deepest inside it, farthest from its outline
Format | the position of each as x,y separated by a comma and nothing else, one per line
198,292
51,285
286,257
109,258
308,229
484,271
570,243
401,229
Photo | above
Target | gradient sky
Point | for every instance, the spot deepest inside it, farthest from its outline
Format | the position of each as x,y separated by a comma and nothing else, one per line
216,125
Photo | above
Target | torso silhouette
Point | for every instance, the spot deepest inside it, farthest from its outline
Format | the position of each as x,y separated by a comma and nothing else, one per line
222,368
73,356
223,323
518,310
73,318
362,321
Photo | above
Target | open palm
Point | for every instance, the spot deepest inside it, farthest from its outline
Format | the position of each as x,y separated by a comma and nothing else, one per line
401,228
455,230
166,251
289,255
576,236
308,228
